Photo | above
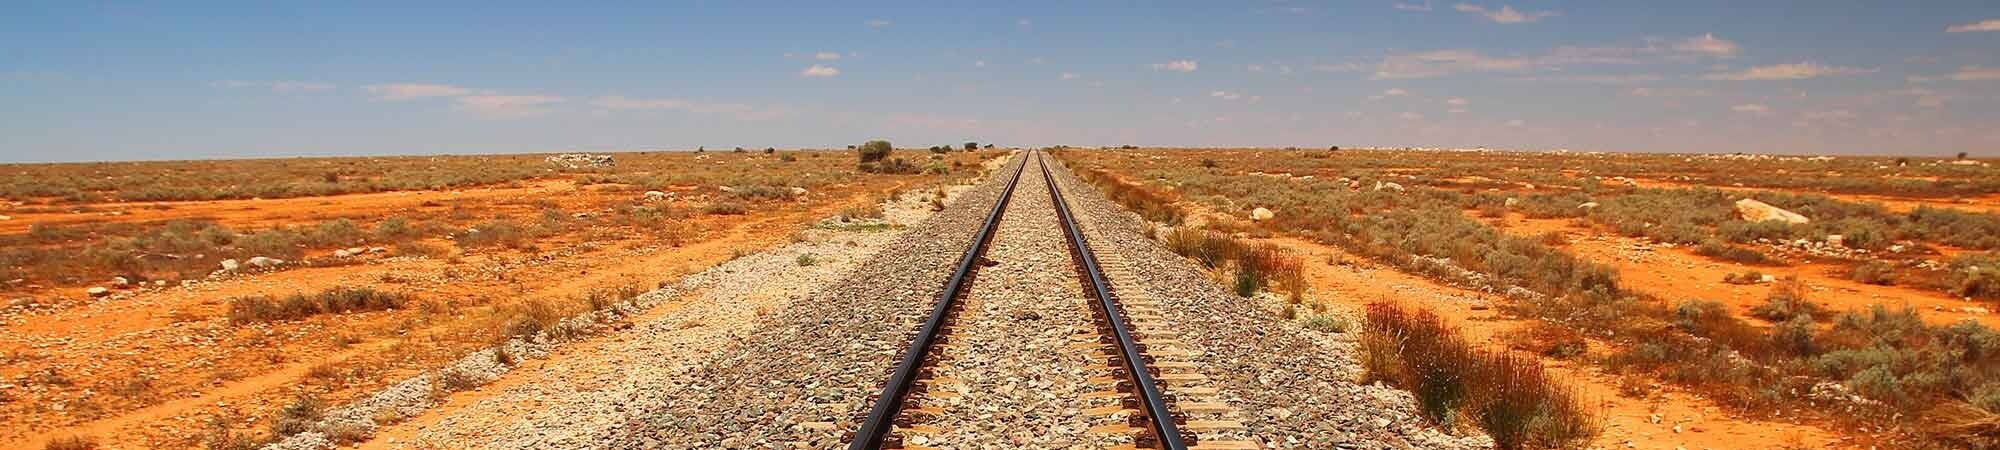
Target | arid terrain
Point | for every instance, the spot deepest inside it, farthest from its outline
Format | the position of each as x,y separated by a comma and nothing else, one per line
757,299
1646,282
187,304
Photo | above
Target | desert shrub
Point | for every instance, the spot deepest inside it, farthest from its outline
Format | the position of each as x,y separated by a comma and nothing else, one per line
1327,324
334,233
1741,231
1795,335
725,208
1512,399
1974,275
1786,301
398,229
1548,339
529,318
298,416
421,250
873,151
893,166
47,233
807,259
1747,277
1987,397
71,443
272,243
1552,206
1720,250
501,232
1873,272
264,308
1152,206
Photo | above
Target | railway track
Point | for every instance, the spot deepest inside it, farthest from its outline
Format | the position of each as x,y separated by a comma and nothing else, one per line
1139,356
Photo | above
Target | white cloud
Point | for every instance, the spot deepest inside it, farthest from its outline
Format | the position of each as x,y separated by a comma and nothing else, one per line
979,63
507,106
1794,71
1411,116
1456,110
1426,6
1976,73
826,56
1184,65
1443,62
284,87
819,71
876,23
1455,101
1024,23
1667,92
1069,75
1983,25
1395,92
1506,14
1595,79
413,91
1708,44
1225,95
1752,108
1517,123
1258,68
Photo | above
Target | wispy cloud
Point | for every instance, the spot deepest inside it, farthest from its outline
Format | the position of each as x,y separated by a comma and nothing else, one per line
1594,79
413,91
1667,92
1426,6
1443,62
1975,73
819,71
1184,65
1983,25
1225,95
284,87
826,56
1411,116
740,111
506,106
1794,71
1707,44
1751,108
1506,14
1069,75
876,23
1457,101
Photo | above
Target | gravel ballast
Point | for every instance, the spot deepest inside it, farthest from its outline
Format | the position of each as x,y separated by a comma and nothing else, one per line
1295,388
797,381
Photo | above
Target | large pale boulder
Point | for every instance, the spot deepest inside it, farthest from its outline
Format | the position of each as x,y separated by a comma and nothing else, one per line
1261,214
1756,211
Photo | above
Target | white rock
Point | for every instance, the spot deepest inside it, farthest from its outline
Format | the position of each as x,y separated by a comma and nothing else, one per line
1756,211
377,250
342,253
230,265
798,190
120,281
1767,278
263,262
1380,185
1511,201
1836,240
97,291
6,218
1261,214
655,196
1587,205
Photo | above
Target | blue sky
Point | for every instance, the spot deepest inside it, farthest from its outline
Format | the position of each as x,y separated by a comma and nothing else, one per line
170,80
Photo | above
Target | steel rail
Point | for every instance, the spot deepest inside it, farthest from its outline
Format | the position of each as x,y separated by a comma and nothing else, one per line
1152,404
889,403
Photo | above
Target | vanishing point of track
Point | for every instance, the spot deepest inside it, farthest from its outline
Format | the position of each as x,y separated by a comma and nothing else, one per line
1150,415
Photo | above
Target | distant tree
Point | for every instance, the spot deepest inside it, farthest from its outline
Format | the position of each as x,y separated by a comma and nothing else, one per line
739,149
989,145
1333,148
969,146
1961,155
1900,162
873,151
770,150
700,149
850,147
941,149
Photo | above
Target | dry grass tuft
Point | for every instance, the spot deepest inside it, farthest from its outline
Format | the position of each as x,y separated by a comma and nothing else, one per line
1509,397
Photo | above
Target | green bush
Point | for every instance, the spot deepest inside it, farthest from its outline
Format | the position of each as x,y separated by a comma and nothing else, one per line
1874,272
873,151
264,308
1720,250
